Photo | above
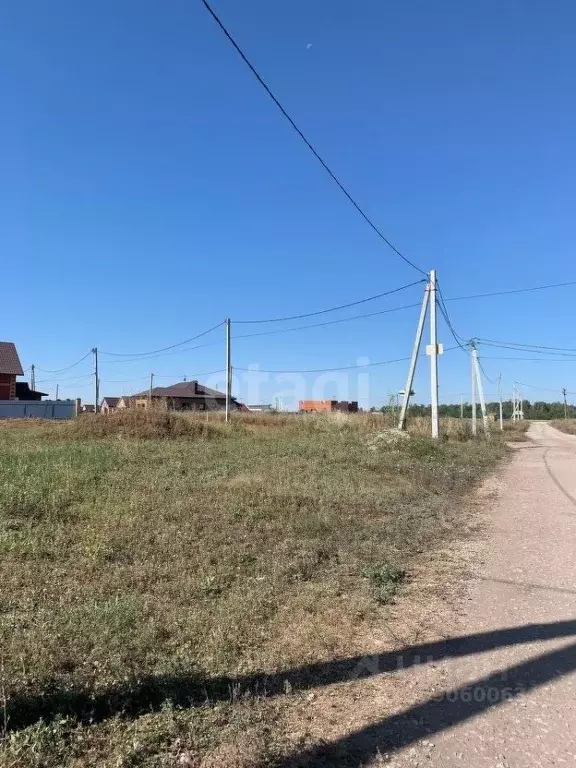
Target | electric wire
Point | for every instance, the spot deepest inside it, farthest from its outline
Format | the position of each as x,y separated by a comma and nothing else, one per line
68,367
310,146
444,312
488,379
533,351
515,290
328,322
526,346
331,309
543,389
163,349
330,370
533,359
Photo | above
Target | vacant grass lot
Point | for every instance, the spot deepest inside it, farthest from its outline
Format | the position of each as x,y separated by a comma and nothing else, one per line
151,588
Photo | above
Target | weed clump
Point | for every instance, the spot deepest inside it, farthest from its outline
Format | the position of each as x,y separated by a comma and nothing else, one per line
144,424
385,580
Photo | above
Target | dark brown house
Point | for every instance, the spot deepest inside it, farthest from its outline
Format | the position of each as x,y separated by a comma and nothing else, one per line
184,396
10,367
23,392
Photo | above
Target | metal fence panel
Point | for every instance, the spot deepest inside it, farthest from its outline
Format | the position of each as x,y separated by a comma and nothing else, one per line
37,409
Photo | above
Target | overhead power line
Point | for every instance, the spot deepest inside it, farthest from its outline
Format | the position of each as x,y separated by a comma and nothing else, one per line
331,309
444,311
543,389
488,379
160,376
310,146
515,290
269,333
495,342
68,367
534,351
533,359
330,370
328,322
163,349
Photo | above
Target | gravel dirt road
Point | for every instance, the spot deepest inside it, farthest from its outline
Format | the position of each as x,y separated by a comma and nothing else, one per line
514,704
486,677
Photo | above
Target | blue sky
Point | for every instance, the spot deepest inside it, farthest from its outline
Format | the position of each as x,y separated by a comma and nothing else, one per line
150,188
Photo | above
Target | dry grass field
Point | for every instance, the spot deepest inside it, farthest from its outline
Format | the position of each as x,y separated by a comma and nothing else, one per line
163,578
565,425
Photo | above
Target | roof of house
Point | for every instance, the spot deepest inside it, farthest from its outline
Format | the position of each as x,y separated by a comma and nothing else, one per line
191,389
9,360
111,402
23,388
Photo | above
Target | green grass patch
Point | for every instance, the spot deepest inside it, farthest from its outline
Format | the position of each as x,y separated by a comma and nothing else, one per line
143,578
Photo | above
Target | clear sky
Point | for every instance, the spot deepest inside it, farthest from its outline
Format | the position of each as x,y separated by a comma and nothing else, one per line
150,189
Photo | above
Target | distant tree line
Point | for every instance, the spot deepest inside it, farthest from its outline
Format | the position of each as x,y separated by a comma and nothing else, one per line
536,410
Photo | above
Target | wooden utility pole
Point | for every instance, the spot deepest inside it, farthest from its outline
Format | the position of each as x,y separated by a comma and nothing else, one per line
96,381
150,390
228,370
564,392
56,391
32,377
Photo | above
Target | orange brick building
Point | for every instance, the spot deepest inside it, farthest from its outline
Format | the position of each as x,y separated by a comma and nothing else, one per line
327,406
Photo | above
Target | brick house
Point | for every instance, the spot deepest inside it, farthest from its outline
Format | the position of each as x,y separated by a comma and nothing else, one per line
328,406
10,367
184,396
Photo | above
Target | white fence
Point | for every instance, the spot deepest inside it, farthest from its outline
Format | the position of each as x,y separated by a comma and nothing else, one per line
37,409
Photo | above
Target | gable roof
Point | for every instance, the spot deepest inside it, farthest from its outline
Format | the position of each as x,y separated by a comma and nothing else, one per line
190,389
111,402
23,389
9,360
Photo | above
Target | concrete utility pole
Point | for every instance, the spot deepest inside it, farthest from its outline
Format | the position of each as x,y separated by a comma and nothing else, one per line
517,412
473,390
414,358
150,390
228,370
56,391
433,356
500,399
461,406
564,392
33,377
96,381
480,388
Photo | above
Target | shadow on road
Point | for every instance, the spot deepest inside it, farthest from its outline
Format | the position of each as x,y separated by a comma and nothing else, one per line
436,715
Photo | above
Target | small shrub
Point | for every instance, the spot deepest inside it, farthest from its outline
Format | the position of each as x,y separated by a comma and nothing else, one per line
385,580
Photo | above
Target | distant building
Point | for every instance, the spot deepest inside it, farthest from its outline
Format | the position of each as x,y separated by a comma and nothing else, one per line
263,407
87,408
328,406
184,396
109,404
10,367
